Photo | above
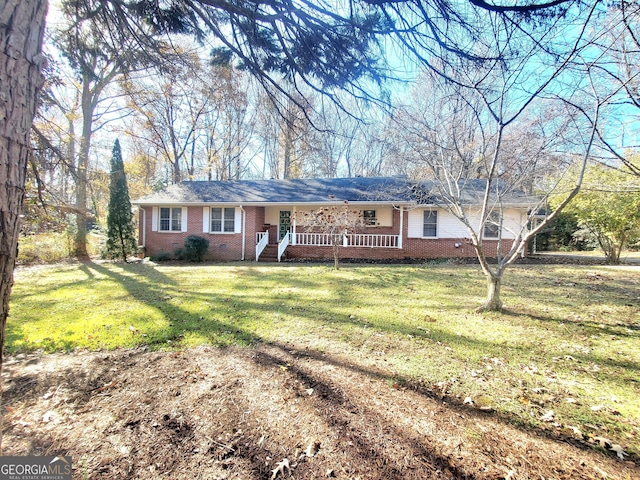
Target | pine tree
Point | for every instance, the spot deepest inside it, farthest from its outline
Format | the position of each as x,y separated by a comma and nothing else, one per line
121,241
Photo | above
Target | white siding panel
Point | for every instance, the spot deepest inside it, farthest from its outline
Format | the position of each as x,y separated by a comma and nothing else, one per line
513,219
384,216
510,224
449,226
154,219
271,215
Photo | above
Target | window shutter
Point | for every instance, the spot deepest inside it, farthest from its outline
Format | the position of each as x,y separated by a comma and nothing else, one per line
184,219
237,224
206,219
154,219
414,227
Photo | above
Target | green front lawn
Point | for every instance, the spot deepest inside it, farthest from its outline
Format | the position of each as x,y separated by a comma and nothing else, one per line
565,356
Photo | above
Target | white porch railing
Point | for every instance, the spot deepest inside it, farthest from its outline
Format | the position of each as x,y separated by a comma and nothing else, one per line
316,239
284,243
348,240
326,240
262,240
372,240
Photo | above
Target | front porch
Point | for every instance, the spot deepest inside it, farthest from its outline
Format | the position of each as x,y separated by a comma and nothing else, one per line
266,251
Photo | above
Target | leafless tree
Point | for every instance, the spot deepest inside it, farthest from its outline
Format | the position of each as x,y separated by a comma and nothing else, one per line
463,134
334,221
170,107
310,43
227,134
613,63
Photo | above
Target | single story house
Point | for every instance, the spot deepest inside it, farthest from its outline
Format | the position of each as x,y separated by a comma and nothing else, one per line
258,219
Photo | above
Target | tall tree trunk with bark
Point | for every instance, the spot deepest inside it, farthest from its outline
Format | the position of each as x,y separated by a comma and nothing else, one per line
88,101
21,60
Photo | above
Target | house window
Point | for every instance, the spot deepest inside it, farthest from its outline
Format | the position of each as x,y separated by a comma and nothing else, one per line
223,220
369,217
430,223
170,219
492,226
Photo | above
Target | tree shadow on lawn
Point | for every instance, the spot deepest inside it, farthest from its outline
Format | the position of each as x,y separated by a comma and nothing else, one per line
589,328
153,293
159,433
220,332
166,442
452,404
564,288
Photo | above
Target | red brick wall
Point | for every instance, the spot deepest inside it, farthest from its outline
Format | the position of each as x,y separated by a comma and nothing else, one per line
222,246
228,247
411,247
254,224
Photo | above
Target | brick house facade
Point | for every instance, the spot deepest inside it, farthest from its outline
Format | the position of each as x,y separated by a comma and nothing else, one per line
236,215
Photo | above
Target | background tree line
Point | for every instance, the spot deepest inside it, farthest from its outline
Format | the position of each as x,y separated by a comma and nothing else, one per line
534,88
187,113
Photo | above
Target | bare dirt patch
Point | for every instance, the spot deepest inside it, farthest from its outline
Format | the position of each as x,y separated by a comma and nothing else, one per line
267,412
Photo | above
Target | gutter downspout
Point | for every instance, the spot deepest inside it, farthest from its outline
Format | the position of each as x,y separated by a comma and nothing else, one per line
244,231
144,228
401,227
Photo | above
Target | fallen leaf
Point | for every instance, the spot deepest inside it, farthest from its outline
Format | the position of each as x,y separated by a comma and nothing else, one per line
549,416
106,386
313,448
597,408
468,401
603,442
280,468
619,451
48,416
575,430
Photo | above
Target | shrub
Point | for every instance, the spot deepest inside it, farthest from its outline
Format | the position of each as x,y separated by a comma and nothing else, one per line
44,248
195,248
161,257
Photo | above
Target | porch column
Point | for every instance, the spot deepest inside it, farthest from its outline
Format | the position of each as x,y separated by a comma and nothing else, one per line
401,227
293,226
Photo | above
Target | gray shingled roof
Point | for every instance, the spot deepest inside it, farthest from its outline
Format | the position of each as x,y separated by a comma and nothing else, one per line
314,191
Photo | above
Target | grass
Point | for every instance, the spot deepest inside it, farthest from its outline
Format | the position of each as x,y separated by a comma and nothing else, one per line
569,341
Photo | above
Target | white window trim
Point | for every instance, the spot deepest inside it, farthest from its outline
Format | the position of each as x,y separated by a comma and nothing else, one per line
375,218
206,220
490,222
156,219
437,224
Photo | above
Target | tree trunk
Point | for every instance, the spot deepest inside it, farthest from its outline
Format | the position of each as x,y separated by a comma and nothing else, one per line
288,152
81,174
493,302
21,31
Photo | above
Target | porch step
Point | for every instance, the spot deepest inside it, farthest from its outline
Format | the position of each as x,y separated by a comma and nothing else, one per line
269,254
